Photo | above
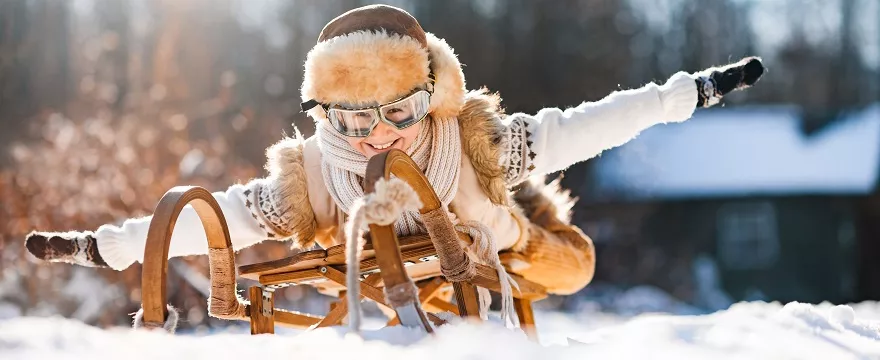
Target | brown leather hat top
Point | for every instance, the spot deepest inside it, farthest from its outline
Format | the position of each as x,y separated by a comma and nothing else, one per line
374,18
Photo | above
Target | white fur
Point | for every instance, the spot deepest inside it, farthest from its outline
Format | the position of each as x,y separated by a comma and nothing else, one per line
360,69
169,326
364,68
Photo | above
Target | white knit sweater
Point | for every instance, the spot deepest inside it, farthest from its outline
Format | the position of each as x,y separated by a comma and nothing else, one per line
551,140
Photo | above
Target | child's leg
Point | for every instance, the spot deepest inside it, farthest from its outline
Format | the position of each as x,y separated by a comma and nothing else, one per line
561,258
555,254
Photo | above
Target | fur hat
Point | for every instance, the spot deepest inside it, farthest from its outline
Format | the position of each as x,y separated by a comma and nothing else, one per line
376,54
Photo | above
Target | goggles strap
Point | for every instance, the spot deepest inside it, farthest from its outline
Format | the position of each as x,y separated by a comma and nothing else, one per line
308,105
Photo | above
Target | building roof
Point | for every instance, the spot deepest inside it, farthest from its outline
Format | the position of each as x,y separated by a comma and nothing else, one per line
744,152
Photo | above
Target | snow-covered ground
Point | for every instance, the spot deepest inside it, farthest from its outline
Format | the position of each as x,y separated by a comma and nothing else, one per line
744,331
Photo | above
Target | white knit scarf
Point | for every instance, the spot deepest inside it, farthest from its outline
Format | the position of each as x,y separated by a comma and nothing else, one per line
437,152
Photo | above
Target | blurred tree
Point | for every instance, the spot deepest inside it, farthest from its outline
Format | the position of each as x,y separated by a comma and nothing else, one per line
34,68
112,69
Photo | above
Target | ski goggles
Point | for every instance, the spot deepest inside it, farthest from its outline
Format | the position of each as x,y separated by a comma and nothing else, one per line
401,113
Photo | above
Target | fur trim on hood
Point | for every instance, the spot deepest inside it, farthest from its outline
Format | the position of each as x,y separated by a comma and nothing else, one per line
365,59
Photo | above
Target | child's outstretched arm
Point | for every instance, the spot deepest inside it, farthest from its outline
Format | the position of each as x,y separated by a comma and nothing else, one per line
555,139
271,208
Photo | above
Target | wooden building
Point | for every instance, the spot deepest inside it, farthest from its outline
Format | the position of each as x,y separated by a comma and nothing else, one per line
740,202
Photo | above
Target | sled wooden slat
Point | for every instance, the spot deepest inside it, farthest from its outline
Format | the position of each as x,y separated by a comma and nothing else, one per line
304,260
292,277
411,255
275,277
334,255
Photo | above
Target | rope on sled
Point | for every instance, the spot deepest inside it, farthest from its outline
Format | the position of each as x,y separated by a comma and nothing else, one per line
486,250
382,207
224,302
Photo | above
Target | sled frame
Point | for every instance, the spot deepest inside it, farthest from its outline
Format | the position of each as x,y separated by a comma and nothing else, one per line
384,264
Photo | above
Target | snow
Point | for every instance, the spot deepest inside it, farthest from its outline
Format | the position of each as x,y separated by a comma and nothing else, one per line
744,331
745,151
90,292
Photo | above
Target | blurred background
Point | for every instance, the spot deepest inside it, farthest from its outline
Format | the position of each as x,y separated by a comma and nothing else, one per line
107,104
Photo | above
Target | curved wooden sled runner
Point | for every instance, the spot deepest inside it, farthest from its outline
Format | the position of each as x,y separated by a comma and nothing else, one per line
387,262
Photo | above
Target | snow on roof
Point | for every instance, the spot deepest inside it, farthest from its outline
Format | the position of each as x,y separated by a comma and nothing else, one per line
746,151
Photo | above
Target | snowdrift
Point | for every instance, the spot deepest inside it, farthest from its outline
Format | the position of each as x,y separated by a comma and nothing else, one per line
745,331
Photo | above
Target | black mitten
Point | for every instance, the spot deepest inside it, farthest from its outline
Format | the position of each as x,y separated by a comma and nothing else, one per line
714,83
70,247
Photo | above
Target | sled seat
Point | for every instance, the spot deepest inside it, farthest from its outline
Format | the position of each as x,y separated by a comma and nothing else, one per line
417,252
302,268
325,271
387,263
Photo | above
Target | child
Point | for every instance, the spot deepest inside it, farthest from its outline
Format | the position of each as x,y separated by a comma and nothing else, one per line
376,81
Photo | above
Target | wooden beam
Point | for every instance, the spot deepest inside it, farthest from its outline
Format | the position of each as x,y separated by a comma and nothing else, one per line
339,309
442,305
526,317
429,289
335,316
262,312
367,289
295,319
487,278
291,277
467,298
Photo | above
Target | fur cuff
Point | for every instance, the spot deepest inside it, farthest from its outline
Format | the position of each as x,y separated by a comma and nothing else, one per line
481,131
169,326
368,67
280,202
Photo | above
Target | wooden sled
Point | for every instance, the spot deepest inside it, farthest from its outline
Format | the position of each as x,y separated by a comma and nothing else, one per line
387,262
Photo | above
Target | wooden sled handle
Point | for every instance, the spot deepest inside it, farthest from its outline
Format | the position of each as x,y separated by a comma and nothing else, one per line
384,238
440,227
398,163
155,266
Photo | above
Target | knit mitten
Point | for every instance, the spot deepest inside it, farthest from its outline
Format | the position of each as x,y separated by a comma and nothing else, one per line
70,247
714,83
